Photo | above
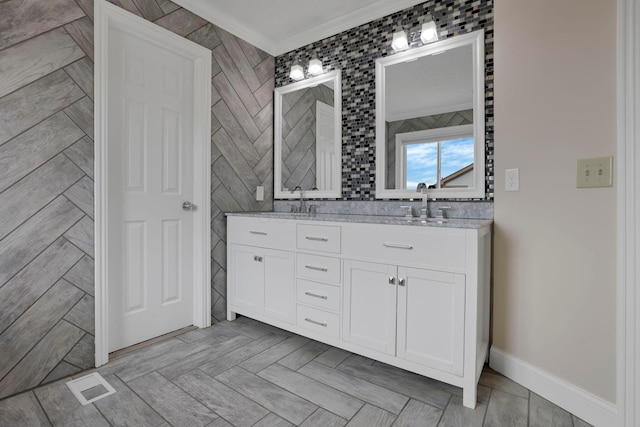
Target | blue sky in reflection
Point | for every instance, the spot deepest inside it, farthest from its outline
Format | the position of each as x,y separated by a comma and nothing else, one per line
422,160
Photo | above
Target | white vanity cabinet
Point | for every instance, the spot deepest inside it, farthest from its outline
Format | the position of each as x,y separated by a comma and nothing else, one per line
262,269
412,295
414,314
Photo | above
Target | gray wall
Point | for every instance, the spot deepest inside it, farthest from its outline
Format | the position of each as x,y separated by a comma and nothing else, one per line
46,172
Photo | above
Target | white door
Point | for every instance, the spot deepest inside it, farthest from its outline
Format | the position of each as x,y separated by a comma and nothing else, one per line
150,130
279,285
325,147
369,316
246,270
431,318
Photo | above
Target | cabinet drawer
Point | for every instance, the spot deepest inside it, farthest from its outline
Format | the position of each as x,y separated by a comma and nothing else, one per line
318,268
319,238
318,321
318,294
264,233
428,246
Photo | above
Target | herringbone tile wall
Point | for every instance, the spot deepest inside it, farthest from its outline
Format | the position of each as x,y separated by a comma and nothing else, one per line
299,135
435,121
46,172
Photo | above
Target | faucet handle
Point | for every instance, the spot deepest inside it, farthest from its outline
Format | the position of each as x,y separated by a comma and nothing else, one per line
408,211
442,210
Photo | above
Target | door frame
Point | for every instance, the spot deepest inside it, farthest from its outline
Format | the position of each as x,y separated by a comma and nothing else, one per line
628,221
107,16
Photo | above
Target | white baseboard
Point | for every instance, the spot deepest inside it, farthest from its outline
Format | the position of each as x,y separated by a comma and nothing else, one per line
579,402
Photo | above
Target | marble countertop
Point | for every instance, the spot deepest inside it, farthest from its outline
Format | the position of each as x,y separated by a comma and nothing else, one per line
371,219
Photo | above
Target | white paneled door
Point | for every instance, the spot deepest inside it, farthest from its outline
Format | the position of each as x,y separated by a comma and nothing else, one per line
150,145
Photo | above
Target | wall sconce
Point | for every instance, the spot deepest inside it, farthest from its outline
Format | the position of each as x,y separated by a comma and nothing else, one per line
315,67
297,71
429,32
400,41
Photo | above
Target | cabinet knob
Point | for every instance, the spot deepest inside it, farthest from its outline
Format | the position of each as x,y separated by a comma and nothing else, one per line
401,282
392,280
257,258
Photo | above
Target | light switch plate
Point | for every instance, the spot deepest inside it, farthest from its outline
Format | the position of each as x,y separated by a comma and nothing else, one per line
512,180
259,193
595,172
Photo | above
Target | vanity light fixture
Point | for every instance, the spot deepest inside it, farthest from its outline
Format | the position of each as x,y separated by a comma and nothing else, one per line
429,33
297,71
400,41
315,67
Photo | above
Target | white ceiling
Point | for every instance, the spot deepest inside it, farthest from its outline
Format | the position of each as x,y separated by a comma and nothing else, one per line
279,26
433,84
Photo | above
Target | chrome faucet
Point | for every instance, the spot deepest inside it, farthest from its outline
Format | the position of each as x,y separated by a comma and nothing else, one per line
303,206
424,210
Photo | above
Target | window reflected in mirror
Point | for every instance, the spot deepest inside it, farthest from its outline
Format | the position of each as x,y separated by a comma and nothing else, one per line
441,158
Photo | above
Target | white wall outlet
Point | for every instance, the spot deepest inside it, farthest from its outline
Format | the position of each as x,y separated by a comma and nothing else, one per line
512,180
595,172
260,193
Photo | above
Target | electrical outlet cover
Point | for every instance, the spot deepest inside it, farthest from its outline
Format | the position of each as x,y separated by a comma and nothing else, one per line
595,172
512,180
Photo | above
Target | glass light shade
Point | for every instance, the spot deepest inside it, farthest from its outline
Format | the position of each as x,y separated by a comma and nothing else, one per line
429,32
297,72
400,41
315,67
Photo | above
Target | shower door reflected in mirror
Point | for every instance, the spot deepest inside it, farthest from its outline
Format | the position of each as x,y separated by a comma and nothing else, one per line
430,120
307,138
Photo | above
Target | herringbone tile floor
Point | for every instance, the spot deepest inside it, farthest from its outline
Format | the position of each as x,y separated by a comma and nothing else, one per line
245,373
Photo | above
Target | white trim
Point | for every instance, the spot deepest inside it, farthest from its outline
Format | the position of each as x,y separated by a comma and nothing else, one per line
106,16
476,40
335,77
628,217
347,21
579,402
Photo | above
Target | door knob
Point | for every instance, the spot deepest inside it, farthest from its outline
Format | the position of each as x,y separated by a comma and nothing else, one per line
188,206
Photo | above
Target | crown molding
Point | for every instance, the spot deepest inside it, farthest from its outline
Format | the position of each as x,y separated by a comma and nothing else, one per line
234,25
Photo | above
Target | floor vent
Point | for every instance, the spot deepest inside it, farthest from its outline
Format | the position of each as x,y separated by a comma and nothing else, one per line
90,388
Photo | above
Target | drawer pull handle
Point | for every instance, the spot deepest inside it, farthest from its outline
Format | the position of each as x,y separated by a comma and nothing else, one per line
257,258
260,233
311,294
311,267
315,322
317,239
397,246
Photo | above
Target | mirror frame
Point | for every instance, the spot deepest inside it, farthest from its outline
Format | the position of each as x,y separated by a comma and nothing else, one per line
336,77
476,40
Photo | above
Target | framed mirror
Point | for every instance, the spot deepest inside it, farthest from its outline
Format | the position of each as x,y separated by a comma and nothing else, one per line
308,138
430,120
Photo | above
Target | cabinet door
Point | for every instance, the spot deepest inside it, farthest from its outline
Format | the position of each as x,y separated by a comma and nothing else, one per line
431,318
279,285
246,277
370,305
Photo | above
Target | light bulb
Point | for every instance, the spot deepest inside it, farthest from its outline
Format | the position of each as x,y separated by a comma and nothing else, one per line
429,32
400,41
315,67
297,72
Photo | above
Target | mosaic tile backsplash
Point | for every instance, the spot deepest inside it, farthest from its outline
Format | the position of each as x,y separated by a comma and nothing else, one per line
355,51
